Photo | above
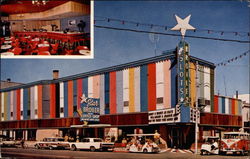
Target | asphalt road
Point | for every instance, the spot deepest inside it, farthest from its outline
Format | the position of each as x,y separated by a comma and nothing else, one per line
18,153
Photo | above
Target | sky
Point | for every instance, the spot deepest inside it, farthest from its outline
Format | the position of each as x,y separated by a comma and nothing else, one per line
113,47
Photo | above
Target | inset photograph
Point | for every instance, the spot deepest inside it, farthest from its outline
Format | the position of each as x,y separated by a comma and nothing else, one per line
45,28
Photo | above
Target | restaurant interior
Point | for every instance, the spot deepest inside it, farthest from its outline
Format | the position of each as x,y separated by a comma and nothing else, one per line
45,27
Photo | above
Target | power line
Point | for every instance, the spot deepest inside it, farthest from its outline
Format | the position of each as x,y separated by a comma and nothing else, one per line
168,34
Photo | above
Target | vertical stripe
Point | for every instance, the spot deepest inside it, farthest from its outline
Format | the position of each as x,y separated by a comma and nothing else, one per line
233,106
137,90
125,91
21,103
106,98
173,85
192,84
1,106
131,90
11,105
61,100
223,105
212,89
90,87
96,86
36,101
14,105
102,95
112,84
230,106
70,98
46,101
18,104
201,80
167,83
79,92
65,99
159,85
28,113
236,106
207,87
144,88
85,86
119,91
239,107
151,87
25,103
40,104
52,101
5,106
32,112
216,104
75,93
226,105
220,105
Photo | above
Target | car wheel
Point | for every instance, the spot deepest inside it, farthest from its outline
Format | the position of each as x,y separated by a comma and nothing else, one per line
92,148
145,150
73,148
51,148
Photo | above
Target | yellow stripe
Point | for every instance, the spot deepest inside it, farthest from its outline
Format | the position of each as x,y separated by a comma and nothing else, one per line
192,84
131,90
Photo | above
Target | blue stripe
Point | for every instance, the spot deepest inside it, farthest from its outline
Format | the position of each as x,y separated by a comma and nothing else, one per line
173,85
223,105
74,92
8,106
106,88
65,99
185,114
25,103
144,88
85,86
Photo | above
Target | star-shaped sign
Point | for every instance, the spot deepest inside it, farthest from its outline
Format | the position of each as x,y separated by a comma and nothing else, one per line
83,98
183,25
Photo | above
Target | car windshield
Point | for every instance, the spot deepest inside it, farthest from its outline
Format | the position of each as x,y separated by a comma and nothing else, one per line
60,139
97,140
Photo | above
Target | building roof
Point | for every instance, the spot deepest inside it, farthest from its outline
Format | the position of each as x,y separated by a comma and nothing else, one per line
167,55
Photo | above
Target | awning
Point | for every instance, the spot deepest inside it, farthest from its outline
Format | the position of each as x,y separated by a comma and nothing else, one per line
91,126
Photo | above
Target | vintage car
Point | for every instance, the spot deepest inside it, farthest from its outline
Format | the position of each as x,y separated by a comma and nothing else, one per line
52,143
8,142
91,144
210,146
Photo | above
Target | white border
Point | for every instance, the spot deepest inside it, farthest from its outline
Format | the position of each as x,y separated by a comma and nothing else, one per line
91,56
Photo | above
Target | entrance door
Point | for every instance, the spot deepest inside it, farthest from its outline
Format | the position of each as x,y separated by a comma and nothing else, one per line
176,137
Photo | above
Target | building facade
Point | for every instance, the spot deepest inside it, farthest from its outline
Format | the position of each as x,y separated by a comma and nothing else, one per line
131,95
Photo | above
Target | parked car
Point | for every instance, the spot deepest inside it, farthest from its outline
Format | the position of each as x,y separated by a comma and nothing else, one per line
52,143
7,142
210,146
92,144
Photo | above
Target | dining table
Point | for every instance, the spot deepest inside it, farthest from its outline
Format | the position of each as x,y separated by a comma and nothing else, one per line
43,45
7,54
5,47
7,42
84,52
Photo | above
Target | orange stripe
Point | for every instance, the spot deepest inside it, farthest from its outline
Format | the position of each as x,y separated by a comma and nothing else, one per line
70,98
39,107
112,98
192,84
52,101
151,87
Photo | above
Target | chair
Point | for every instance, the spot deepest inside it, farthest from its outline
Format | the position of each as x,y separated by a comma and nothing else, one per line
43,48
54,49
17,51
43,53
69,52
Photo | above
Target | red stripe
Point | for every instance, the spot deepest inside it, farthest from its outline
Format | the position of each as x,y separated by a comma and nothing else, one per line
39,107
151,87
233,106
112,99
18,111
70,98
52,101
79,92
216,104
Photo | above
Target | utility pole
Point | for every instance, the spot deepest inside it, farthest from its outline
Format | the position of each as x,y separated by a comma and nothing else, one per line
196,109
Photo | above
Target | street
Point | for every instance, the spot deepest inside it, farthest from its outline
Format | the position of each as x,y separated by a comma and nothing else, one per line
18,153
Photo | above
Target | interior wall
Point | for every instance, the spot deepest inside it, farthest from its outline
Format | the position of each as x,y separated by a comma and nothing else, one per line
65,23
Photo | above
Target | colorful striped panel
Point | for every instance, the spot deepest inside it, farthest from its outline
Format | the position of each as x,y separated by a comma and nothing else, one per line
96,86
167,83
151,87
25,103
144,88
220,105
131,90
36,101
52,101
229,106
226,105
207,87
159,86
173,84
192,84
106,98
90,87
40,102
233,106
216,104
61,92
5,106
75,87
14,105
18,104
102,95
236,107
125,86
32,103
85,86
119,91
21,103
223,105
112,99
137,81
239,107
11,100
29,103
65,110
70,98
79,92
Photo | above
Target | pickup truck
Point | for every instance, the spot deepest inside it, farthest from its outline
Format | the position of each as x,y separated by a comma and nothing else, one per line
91,144
52,143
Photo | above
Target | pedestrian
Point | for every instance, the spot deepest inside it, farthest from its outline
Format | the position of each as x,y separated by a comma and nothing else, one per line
22,143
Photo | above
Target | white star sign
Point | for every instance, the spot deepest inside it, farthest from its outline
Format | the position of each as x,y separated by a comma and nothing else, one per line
183,25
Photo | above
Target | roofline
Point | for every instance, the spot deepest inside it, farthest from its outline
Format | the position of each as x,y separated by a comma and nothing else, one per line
109,69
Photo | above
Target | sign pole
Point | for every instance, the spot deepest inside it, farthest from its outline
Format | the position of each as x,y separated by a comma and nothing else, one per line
196,110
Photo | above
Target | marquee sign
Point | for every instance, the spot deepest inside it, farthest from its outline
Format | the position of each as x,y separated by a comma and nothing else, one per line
163,116
183,73
90,109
